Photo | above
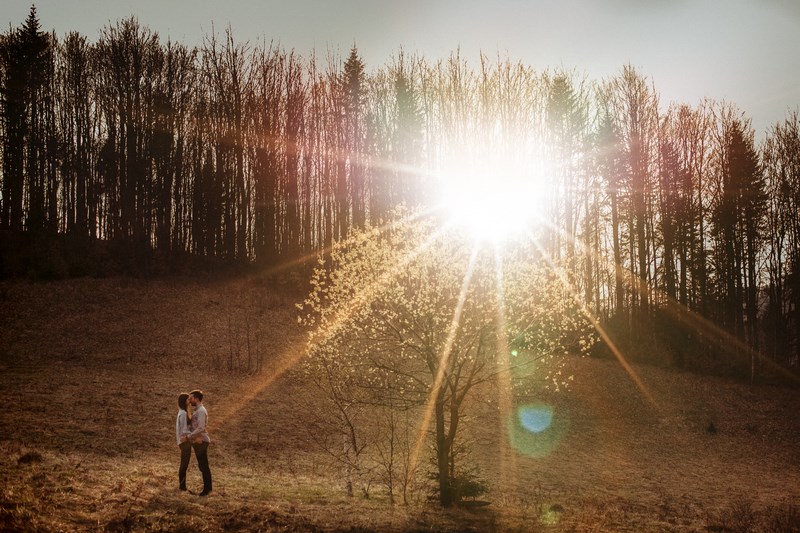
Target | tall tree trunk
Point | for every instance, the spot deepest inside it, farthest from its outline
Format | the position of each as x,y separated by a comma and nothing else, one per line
442,453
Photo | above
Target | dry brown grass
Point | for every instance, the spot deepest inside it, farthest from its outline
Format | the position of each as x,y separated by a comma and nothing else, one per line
90,369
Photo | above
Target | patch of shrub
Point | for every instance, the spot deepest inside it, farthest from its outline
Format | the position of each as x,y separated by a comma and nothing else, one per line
30,458
783,518
53,256
468,486
739,516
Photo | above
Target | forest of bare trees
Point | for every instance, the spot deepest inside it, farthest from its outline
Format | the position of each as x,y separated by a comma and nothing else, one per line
674,222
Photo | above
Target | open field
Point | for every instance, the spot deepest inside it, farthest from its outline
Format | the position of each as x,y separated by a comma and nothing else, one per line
90,369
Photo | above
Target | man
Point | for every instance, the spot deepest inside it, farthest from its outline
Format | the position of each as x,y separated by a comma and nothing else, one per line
199,438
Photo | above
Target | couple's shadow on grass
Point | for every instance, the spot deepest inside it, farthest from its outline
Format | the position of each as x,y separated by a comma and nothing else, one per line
194,493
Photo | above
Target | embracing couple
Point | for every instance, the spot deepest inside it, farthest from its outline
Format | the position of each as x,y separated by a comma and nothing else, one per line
191,433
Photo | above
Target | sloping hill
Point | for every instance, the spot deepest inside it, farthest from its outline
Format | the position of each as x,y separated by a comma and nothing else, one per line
90,369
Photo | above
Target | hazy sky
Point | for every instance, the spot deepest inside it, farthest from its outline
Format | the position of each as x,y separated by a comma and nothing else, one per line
743,51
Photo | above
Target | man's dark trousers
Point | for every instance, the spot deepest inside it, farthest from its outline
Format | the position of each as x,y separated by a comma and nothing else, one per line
201,452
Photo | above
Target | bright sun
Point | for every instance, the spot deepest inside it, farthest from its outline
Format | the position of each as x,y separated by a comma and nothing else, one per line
495,198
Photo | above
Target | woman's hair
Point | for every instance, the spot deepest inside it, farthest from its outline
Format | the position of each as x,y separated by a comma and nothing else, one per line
182,399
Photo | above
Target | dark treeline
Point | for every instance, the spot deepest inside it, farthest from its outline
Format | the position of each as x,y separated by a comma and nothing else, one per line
671,215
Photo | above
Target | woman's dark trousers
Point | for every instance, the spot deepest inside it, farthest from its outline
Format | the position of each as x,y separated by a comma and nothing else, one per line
186,454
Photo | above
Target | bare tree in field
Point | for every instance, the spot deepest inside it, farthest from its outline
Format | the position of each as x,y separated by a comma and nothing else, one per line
410,319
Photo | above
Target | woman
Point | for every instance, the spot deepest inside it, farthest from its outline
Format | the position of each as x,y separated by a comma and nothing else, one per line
182,430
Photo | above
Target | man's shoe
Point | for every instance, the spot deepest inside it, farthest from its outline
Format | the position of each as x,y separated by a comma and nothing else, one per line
182,487
205,493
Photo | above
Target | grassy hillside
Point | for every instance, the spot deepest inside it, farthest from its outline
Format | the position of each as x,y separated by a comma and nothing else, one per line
90,370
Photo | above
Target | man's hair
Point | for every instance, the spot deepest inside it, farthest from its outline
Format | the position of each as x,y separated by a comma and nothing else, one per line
197,393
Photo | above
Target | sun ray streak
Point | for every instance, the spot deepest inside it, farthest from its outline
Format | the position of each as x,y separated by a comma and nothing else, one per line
620,272
724,340
508,464
366,294
290,357
596,324
721,338
253,386
444,358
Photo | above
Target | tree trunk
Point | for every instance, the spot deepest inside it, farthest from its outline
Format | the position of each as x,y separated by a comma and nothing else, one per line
443,456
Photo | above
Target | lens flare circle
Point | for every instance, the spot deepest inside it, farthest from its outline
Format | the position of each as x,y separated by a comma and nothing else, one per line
536,429
535,418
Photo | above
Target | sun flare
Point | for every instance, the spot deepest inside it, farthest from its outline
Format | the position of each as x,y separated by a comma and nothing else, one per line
494,197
